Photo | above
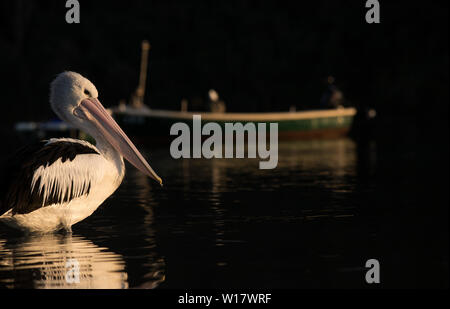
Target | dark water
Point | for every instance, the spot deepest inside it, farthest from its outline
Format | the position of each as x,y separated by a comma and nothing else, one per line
312,222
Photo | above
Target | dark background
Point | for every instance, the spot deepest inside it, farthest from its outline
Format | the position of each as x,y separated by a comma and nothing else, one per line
259,55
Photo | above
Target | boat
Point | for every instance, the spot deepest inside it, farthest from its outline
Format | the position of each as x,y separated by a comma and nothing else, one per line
144,123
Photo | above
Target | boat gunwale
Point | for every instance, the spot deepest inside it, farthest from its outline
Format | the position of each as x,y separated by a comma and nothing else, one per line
277,116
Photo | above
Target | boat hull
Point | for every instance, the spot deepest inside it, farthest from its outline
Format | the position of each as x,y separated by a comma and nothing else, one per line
145,124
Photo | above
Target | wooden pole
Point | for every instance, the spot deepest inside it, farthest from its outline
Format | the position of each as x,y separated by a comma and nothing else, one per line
140,91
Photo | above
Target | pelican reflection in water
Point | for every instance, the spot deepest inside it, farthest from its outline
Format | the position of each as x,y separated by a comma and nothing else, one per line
60,261
65,261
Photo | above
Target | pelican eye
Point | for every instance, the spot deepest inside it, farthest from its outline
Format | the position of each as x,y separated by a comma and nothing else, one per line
86,92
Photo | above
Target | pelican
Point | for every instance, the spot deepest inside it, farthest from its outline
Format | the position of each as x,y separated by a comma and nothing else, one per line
53,184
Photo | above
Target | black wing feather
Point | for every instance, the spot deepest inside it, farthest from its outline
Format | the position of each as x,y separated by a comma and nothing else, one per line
17,175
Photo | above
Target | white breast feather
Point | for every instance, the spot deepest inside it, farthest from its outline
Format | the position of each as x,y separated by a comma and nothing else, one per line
73,175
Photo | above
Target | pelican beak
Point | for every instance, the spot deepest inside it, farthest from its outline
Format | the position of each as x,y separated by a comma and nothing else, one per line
92,110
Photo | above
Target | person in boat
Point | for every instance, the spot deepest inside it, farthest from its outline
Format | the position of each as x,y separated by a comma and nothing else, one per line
216,105
333,96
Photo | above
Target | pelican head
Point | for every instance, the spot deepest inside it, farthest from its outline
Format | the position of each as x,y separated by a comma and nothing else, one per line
75,100
67,91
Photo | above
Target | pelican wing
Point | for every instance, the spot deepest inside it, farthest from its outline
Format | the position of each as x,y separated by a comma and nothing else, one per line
49,172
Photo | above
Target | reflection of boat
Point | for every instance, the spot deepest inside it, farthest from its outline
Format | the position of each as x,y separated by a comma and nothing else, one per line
146,123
